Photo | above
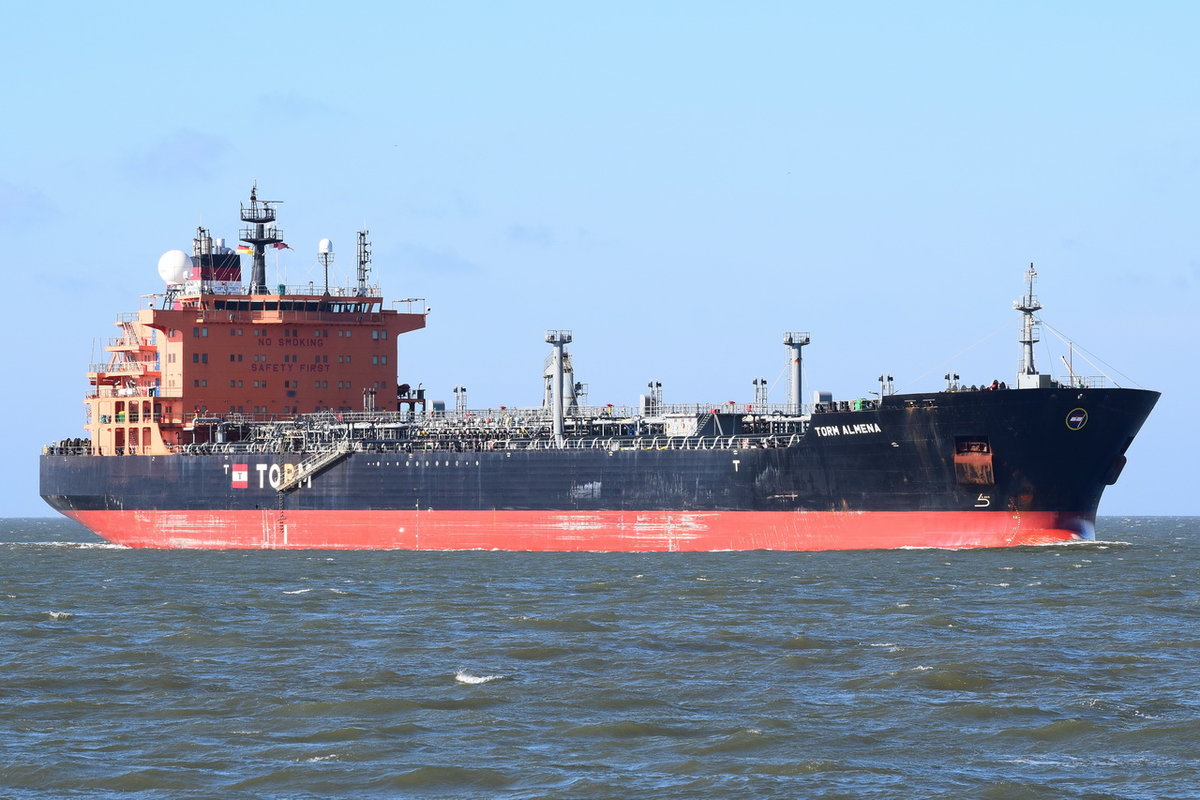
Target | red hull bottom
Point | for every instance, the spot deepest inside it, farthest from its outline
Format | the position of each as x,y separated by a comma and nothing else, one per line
616,531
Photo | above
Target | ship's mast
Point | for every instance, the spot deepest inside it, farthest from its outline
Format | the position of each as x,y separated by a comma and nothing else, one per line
794,340
260,214
1027,376
557,339
364,258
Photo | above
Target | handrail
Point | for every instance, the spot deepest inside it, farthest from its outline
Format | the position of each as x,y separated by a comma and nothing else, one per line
1084,381
130,341
330,451
124,367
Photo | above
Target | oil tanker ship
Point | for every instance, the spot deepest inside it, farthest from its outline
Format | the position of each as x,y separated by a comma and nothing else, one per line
243,415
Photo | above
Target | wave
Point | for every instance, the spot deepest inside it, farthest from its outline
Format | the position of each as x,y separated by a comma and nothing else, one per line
1100,544
737,742
441,777
462,676
569,624
73,545
306,591
632,729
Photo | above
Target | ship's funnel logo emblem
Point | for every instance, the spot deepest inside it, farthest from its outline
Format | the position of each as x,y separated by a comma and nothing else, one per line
1076,419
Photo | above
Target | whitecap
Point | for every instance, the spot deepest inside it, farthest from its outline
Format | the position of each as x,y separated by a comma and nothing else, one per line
59,614
462,676
299,591
1043,762
1101,544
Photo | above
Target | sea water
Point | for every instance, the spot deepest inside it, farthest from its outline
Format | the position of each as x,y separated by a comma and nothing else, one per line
1069,671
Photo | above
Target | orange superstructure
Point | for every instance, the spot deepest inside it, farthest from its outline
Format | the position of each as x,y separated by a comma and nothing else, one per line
214,348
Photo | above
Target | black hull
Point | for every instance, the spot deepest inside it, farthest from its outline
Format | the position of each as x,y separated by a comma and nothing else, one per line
899,457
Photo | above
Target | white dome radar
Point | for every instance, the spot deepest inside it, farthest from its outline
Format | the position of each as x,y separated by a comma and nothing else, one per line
174,266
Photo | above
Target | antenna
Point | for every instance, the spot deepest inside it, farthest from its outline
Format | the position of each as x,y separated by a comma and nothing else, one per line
364,258
325,256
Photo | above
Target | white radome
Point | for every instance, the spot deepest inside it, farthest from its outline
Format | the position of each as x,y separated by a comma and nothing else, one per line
174,266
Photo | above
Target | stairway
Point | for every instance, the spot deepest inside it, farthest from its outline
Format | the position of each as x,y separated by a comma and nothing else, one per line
316,464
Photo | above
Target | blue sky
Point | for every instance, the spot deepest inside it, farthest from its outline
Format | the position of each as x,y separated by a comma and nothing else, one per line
676,182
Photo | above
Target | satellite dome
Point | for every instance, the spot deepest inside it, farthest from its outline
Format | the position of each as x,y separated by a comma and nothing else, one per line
174,266
324,247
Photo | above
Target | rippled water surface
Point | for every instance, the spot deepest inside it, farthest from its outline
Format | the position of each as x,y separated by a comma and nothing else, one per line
1048,672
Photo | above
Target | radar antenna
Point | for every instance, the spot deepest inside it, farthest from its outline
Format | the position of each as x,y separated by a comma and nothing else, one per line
325,255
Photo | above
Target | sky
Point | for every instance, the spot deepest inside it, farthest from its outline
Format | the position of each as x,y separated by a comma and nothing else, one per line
677,183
